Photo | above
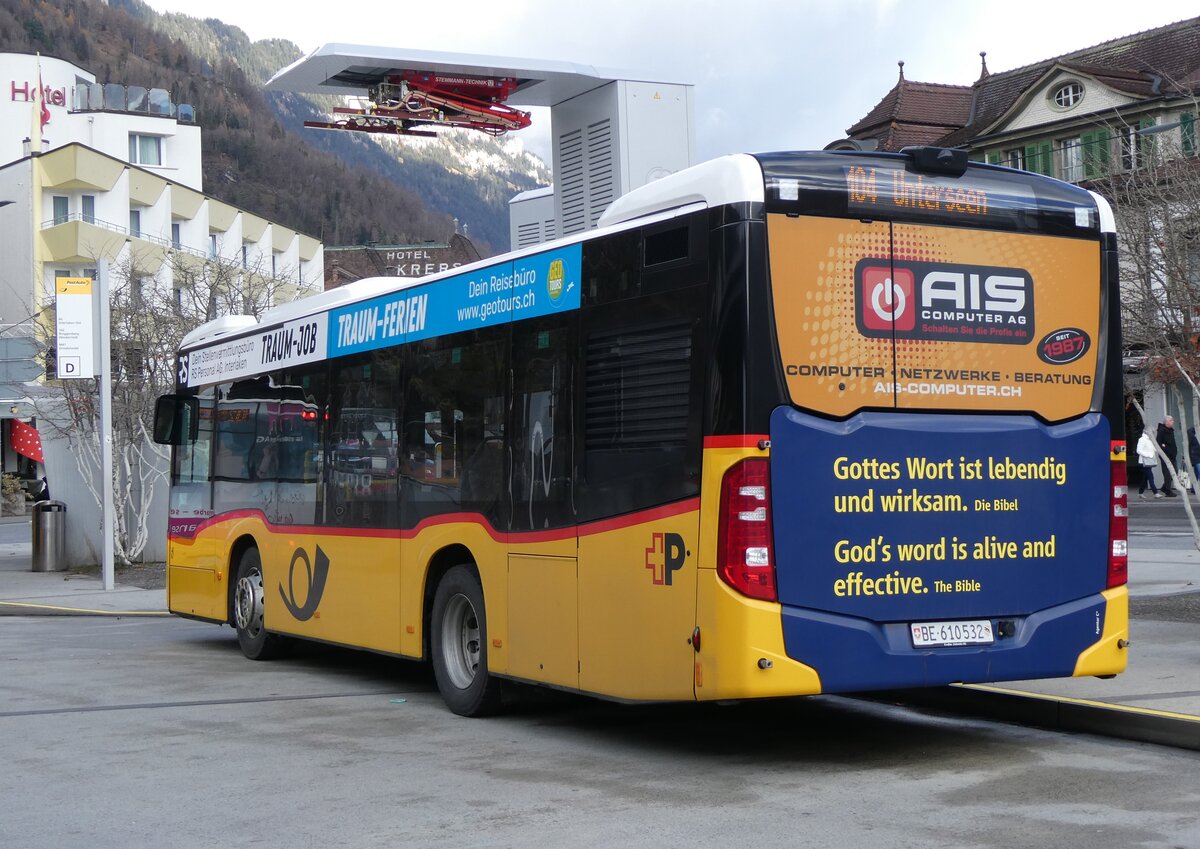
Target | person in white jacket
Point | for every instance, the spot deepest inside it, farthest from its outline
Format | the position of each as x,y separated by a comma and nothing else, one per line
1147,459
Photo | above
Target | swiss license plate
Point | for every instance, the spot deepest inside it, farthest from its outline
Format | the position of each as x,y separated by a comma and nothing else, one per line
976,632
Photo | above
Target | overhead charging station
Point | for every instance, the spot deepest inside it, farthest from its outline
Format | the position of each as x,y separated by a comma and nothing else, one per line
611,131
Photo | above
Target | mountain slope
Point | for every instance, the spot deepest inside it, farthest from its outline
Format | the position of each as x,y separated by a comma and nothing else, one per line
465,174
343,188
249,159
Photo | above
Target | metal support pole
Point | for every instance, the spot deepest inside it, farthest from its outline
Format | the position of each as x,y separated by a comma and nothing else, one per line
104,368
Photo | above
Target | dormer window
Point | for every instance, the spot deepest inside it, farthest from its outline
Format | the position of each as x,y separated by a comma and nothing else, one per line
1067,95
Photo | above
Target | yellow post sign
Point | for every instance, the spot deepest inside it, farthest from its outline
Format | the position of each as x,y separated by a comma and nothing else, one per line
74,325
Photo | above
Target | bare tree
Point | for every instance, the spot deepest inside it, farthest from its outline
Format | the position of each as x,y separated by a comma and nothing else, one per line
1155,193
150,313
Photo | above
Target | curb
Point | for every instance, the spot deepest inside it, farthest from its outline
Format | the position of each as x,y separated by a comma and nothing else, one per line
1142,725
20,608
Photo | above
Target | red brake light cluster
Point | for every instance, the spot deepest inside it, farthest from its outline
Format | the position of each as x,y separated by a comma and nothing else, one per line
747,560
1118,521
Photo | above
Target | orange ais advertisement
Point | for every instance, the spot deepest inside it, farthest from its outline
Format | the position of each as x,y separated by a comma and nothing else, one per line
909,316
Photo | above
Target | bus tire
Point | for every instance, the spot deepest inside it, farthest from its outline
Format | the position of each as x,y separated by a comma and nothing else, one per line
248,597
458,643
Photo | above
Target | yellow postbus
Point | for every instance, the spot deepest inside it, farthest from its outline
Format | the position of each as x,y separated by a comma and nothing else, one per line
781,424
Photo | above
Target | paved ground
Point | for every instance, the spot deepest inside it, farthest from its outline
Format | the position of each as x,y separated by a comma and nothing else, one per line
1157,699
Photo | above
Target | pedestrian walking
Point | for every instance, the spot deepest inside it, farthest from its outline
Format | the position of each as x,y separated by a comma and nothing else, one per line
1147,459
1166,441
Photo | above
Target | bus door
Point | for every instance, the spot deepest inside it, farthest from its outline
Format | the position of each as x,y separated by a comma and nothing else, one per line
543,578
352,560
192,555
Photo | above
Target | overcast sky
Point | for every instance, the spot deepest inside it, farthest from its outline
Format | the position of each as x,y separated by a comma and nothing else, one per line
785,74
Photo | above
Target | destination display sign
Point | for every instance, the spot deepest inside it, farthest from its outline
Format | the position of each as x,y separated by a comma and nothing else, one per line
874,191
869,187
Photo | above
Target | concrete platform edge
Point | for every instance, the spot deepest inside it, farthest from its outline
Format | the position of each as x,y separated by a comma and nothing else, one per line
1142,725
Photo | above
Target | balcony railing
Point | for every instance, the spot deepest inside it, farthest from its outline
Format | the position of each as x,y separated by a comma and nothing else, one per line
124,231
114,97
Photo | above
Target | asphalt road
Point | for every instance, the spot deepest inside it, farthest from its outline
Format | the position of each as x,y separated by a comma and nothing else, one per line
128,733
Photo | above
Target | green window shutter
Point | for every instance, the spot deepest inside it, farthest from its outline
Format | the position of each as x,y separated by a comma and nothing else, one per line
993,158
1046,159
1187,133
1145,143
1032,162
1095,154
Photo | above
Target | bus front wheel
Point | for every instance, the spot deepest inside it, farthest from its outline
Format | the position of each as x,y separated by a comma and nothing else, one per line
256,642
458,636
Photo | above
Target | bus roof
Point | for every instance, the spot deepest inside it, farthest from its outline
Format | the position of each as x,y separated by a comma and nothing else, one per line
726,179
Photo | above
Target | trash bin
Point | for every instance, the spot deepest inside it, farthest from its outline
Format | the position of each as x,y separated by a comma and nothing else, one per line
49,529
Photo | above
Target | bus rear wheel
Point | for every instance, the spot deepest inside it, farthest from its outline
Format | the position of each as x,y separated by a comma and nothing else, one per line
458,637
248,609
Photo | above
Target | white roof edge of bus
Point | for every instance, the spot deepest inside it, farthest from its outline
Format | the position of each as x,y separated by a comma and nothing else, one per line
1108,221
226,325
357,290
727,179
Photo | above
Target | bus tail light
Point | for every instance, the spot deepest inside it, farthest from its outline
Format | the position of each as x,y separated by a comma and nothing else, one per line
746,559
1118,523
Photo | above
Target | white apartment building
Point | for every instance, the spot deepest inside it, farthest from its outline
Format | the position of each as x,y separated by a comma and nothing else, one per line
116,176
118,173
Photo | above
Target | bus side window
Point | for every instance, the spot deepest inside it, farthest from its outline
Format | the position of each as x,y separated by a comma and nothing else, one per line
237,414
451,456
542,438
193,460
364,470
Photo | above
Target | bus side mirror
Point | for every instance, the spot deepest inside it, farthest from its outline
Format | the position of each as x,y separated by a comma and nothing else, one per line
176,420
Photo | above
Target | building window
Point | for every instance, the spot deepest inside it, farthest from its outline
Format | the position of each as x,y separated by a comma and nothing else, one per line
1067,95
61,210
135,222
245,256
1015,158
1191,257
1130,148
1070,160
145,150
89,209
175,240
212,245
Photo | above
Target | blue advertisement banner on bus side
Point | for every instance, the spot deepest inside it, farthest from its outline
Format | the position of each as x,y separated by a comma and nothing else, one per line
528,287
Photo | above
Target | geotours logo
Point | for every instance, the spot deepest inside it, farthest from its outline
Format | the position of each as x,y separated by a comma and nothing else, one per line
943,301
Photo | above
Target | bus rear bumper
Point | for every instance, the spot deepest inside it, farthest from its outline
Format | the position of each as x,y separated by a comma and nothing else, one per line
1084,637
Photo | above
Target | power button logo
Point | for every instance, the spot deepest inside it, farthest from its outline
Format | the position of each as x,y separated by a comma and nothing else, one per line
885,298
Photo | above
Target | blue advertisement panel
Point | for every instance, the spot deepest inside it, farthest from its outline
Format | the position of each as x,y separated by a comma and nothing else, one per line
910,518
524,288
